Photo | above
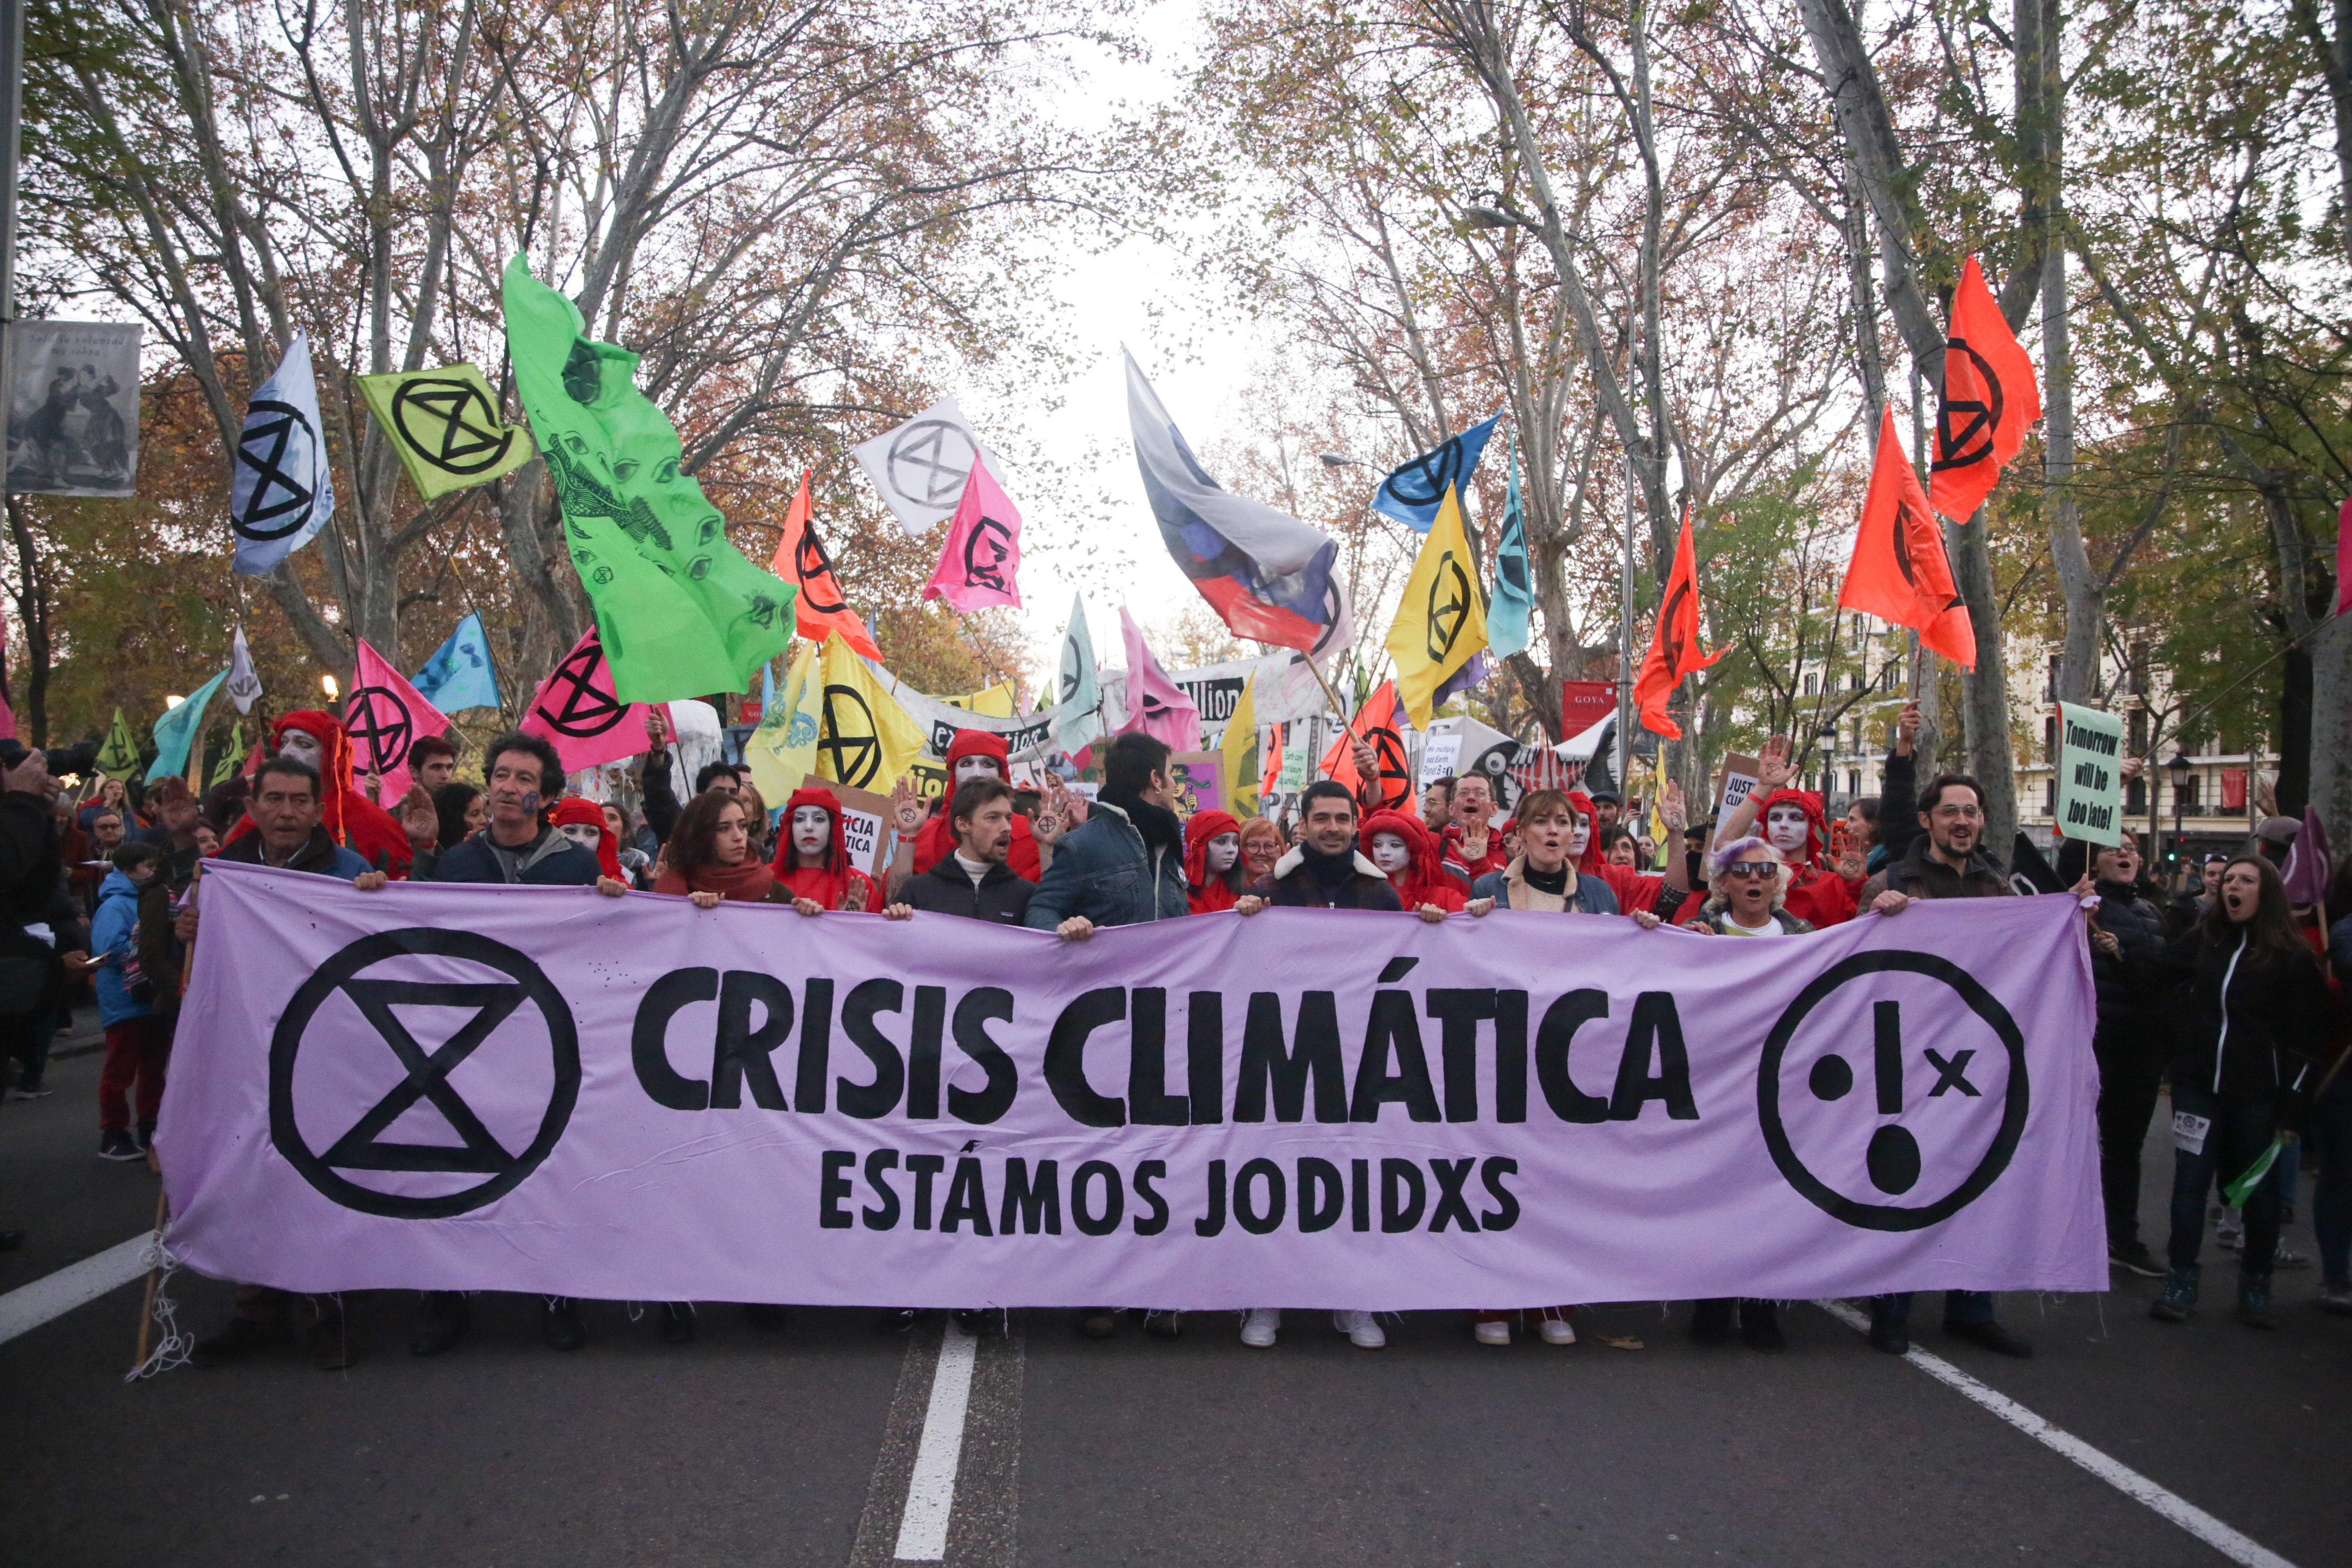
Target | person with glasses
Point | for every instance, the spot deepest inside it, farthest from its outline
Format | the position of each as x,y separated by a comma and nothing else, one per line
1948,861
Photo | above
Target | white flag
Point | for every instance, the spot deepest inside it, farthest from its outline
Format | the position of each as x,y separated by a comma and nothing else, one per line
244,685
921,466
281,493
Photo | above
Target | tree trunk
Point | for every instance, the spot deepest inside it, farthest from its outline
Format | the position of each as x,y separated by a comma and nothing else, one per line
2330,731
1985,689
2296,712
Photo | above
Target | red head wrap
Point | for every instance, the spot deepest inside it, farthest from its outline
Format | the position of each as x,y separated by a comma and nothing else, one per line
826,884
578,810
349,816
937,840
1816,820
1425,881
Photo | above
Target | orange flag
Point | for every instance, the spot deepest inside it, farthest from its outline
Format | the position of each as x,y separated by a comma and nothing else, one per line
1673,642
1990,397
1900,572
820,607
1376,722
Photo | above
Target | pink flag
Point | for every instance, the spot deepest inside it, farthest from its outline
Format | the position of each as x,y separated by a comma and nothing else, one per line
982,554
2344,556
384,716
574,708
2307,862
1155,704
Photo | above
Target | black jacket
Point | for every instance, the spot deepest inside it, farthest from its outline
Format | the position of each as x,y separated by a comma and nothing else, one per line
2133,985
661,803
32,873
562,863
1921,876
1002,898
1294,887
2253,1024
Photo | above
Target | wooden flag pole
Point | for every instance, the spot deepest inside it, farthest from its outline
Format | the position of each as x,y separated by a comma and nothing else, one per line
147,1307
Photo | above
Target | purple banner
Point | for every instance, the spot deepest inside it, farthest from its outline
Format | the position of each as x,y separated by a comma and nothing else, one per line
542,1089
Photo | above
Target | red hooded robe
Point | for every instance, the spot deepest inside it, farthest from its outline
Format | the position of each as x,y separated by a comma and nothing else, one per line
937,841
1425,881
350,819
578,810
1816,894
831,884
1209,894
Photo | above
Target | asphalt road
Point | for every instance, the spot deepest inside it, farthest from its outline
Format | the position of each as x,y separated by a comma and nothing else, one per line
799,1446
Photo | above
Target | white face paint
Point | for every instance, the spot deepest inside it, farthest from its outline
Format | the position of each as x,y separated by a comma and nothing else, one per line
975,768
1223,850
1785,828
811,830
1579,837
304,748
1390,853
584,833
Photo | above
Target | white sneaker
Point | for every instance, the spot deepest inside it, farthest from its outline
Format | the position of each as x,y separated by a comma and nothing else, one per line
1494,1333
1362,1330
1260,1327
1559,1332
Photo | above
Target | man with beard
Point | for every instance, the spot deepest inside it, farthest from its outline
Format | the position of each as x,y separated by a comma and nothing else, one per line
972,754
972,881
1946,861
1325,871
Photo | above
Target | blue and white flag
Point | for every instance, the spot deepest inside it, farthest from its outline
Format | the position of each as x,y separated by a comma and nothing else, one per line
1077,687
281,492
1412,493
458,675
1267,575
1509,617
178,729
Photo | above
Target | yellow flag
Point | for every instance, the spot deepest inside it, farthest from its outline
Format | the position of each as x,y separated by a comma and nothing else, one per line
782,750
1240,746
865,738
997,702
1441,624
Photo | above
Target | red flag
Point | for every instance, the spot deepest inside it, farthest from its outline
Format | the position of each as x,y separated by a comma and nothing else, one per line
1673,642
1376,722
1990,397
820,607
384,716
576,709
1900,572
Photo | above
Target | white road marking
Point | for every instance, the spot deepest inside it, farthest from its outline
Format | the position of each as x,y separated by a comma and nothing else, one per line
2230,1543
931,1489
27,1306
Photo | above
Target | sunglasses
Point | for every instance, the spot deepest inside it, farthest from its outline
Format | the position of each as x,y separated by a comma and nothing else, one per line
1751,869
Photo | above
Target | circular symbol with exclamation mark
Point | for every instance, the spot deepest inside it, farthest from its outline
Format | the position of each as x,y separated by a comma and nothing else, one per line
1894,1075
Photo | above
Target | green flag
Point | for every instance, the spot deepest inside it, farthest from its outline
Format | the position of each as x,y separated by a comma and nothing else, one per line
2236,1193
178,728
120,754
445,425
225,769
680,611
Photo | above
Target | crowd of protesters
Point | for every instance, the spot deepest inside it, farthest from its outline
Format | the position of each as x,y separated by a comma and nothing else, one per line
2222,992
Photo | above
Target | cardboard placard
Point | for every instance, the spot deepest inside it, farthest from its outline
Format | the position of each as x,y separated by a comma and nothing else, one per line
865,824
1200,780
1441,755
2089,774
1733,781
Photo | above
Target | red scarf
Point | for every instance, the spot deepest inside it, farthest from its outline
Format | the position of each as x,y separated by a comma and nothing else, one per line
748,882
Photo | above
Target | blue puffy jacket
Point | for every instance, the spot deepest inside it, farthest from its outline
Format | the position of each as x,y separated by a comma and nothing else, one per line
1103,870
113,940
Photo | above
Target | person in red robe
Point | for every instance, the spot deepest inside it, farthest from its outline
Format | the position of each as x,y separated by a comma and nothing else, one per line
1212,861
318,741
813,856
582,820
1413,863
1793,822
974,753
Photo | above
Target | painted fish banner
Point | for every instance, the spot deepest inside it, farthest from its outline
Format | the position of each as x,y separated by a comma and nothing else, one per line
544,1089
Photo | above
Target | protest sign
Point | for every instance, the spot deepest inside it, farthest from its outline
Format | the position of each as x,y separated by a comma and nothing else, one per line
863,814
439,1087
2089,774
1733,781
1199,780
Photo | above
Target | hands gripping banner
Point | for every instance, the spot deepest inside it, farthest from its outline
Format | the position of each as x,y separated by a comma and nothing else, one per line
541,1089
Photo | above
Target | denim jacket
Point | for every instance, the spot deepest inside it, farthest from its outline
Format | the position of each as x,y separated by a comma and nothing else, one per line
1103,870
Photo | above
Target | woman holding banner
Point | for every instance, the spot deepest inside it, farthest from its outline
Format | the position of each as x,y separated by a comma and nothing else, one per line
812,861
1214,876
708,857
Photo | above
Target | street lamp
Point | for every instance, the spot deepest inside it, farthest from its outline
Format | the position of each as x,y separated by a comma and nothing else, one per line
2178,768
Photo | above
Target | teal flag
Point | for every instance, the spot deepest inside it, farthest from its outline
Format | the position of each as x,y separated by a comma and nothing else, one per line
458,675
680,611
178,729
1509,619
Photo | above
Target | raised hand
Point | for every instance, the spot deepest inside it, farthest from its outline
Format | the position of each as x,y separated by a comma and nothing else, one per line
906,806
1671,810
1906,728
656,730
1773,768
